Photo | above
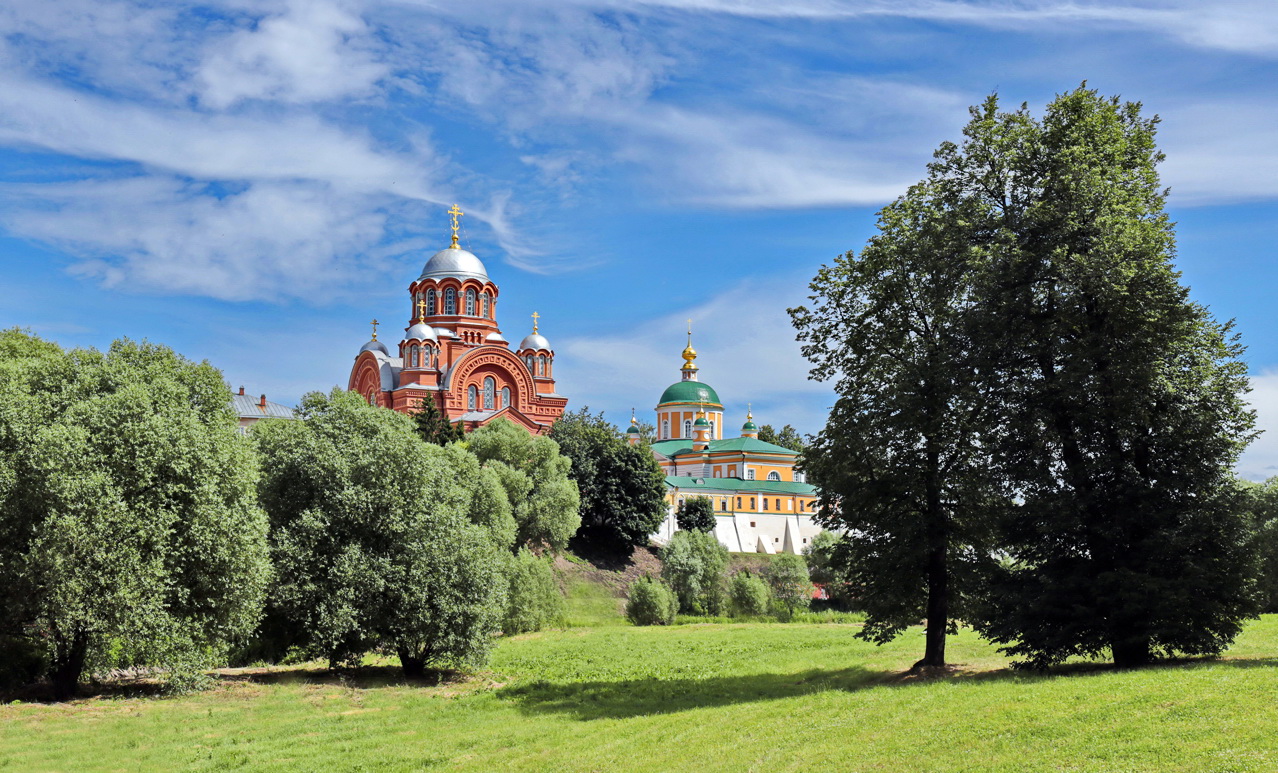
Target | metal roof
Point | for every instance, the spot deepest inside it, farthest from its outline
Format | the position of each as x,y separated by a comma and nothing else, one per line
250,407
737,485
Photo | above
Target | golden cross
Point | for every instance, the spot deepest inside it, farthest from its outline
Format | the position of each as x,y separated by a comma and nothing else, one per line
535,317
749,411
421,309
455,212
375,323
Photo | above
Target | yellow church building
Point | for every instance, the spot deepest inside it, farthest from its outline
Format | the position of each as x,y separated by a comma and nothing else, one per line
762,504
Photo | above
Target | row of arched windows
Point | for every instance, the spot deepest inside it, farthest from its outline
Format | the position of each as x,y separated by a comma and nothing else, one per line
474,304
491,398
417,356
538,363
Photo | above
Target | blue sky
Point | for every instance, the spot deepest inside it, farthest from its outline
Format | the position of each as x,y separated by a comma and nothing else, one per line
251,182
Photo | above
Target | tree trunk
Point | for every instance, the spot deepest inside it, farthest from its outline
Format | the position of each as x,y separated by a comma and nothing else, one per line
67,665
938,577
1131,652
414,667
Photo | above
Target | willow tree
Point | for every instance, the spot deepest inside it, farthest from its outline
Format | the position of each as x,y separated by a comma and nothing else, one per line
899,464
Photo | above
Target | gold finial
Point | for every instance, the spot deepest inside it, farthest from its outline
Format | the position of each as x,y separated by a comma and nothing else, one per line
689,354
375,324
456,213
633,420
749,411
421,309
535,317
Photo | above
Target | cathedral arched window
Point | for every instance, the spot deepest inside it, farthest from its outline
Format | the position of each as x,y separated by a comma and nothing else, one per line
774,475
712,430
687,429
541,365
483,304
665,429
450,302
490,393
414,356
472,397
505,397
470,303
430,302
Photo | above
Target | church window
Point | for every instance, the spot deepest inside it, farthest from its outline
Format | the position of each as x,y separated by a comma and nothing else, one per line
472,396
470,303
732,471
749,474
723,504
505,397
801,506
789,504
712,425
430,302
450,301
778,501
765,504
774,475
752,506
687,429
483,304
490,392
798,477
665,429
541,365
414,359
739,505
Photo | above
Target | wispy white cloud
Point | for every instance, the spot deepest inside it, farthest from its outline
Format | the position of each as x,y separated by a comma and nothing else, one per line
1260,460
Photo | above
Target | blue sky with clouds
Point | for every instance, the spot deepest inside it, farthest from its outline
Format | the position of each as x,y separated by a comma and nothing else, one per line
252,181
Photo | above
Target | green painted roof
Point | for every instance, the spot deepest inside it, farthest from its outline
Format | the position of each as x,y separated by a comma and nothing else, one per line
737,484
690,392
673,448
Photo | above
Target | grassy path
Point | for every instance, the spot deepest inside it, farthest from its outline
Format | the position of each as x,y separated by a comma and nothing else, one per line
702,698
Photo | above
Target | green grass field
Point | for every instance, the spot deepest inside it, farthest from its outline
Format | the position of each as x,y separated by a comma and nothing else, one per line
709,697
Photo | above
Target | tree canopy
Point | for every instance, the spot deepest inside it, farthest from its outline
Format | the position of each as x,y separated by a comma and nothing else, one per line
129,528
622,486
696,514
535,477
787,437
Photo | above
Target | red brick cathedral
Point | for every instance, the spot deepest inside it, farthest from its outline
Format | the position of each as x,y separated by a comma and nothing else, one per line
454,353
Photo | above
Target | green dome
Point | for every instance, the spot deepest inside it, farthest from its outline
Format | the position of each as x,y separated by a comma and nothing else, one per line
690,392
632,430
749,426
701,422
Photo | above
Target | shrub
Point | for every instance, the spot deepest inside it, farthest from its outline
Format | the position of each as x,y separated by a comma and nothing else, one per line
747,595
693,564
534,600
791,587
651,603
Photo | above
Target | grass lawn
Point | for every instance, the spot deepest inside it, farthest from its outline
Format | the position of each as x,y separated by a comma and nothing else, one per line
710,697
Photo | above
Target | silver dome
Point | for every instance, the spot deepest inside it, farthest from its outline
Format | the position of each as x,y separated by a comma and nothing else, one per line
375,346
534,341
420,332
454,262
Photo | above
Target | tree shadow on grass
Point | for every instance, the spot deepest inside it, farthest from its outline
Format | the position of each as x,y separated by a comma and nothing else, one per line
640,697
363,677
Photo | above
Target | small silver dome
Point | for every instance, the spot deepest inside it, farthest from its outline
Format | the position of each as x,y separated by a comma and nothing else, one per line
420,332
454,262
444,332
534,341
375,346
496,338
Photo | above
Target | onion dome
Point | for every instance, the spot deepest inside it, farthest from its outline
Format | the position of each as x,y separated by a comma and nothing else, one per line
701,421
749,426
375,346
534,341
456,263
689,392
420,332
633,429
495,338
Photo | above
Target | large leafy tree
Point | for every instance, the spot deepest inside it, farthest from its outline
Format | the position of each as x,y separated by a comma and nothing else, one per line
129,528
535,477
899,464
1121,400
622,486
696,514
787,437
381,541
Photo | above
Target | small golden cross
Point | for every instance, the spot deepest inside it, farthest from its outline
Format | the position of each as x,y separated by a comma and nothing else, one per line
375,324
535,317
455,212
421,309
